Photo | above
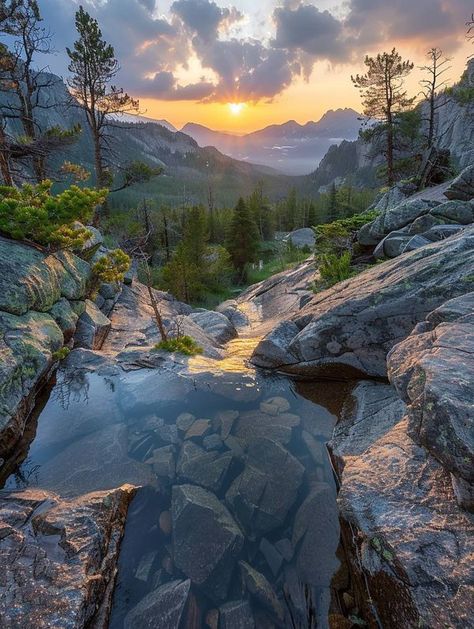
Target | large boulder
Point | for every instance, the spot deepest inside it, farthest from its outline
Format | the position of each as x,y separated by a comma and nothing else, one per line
394,218
433,371
206,539
92,328
59,557
462,187
215,324
263,494
303,238
207,469
163,608
348,330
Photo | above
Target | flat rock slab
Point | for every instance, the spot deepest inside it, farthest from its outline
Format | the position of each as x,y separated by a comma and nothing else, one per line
58,557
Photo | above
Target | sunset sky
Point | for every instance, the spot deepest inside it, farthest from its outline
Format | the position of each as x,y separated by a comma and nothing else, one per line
189,60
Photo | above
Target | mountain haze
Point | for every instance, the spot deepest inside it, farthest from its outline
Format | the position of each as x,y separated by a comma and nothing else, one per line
291,148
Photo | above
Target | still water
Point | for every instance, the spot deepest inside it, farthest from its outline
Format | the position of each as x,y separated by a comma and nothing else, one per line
246,454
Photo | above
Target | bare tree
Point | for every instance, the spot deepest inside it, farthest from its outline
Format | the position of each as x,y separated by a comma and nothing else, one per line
430,87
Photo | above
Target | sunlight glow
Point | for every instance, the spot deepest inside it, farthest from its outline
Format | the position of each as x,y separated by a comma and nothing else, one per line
236,108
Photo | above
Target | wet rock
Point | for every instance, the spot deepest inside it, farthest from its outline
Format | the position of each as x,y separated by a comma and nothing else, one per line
212,619
165,522
50,547
206,539
223,422
216,325
163,608
252,425
92,328
168,433
433,371
462,188
199,429
285,548
207,469
235,446
145,565
212,442
315,448
370,313
272,556
163,462
414,542
262,591
316,520
236,615
265,491
275,405
184,422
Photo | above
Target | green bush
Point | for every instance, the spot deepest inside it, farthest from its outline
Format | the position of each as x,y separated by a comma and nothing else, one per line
61,354
337,237
335,268
183,344
112,267
33,213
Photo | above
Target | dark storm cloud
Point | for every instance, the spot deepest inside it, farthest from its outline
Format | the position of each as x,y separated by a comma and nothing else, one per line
164,87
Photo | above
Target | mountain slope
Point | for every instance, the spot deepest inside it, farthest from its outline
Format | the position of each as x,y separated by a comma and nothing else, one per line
292,148
189,170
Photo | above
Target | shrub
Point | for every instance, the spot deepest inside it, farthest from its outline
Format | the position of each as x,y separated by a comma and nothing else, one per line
33,213
70,236
335,268
61,354
337,237
182,344
112,267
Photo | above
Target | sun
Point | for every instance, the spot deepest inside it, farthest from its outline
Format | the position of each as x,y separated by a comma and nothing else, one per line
236,108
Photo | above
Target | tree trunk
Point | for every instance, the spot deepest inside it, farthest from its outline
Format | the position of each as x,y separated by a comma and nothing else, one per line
5,159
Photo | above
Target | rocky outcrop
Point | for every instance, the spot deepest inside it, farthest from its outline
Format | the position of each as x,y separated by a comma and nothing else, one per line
59,557
348,330
433,371
92,328
41,297
463,186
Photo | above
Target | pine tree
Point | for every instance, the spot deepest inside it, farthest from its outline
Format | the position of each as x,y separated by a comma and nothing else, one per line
242,240
383,98
93,66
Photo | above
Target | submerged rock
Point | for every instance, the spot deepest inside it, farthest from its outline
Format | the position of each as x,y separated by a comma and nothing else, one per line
163,608
348,330
206,539
252,425
59,557
236,615
265,491
199,467
262,591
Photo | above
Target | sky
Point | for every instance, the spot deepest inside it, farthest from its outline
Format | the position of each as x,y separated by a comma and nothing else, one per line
240,65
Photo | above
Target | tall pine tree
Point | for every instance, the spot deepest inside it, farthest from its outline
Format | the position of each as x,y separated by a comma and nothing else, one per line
242,240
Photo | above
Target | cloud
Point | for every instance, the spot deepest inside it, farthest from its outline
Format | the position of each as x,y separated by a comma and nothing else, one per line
304,27
211,45
204,17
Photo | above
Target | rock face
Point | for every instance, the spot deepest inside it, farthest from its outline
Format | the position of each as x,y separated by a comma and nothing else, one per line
216,324
349,329
163,608
59,557
206,539
433,371
40,296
